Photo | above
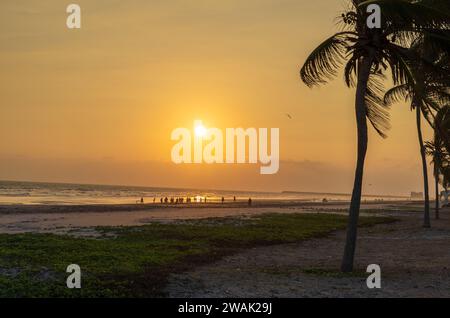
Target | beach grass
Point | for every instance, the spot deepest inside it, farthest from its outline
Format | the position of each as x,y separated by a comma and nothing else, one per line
136,261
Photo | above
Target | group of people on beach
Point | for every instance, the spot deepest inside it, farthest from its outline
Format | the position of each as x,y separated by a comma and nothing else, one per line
179,200
174,200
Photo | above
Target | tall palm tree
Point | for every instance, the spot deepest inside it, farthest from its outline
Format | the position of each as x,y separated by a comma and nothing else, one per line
368,54
435,152
438,152
426,89
445,171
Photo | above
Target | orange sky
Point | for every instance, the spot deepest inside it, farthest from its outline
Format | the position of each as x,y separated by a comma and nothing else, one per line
97,105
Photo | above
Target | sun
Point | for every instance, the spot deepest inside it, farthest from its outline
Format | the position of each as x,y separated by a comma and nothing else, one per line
200,130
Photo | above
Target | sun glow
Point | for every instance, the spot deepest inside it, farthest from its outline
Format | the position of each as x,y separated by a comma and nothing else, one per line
200,130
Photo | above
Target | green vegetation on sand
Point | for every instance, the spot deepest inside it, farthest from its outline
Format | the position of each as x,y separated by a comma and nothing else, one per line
136,261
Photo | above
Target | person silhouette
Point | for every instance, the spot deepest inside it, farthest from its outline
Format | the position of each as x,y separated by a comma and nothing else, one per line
223,199
142,200
249,201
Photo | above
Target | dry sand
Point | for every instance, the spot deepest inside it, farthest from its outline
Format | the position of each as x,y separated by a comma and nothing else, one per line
415,262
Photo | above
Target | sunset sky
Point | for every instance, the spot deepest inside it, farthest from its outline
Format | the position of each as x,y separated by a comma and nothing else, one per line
97,105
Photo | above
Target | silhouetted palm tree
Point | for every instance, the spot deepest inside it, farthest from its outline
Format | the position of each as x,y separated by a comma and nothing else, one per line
437,150
437,153
427,90
368,53
445,170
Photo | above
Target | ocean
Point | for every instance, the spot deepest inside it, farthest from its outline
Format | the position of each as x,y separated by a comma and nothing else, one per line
15,192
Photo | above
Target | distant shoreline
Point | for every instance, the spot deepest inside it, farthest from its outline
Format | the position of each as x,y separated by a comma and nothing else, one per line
174,189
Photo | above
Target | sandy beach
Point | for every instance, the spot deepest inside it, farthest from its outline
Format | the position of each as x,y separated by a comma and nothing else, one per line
414,260
79,218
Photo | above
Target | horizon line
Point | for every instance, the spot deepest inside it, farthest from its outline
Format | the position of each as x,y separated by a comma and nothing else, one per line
212,189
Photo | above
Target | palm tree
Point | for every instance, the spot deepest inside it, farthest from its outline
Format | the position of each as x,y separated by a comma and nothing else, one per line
439,161
437,150
445,171
426,89
368,53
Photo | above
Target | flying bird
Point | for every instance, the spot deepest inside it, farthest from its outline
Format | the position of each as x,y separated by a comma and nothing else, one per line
289,116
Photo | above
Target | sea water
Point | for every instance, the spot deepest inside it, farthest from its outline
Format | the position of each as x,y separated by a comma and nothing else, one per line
15,192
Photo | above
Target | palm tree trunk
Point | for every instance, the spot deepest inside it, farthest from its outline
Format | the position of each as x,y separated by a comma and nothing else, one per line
426,217
436,185
361,123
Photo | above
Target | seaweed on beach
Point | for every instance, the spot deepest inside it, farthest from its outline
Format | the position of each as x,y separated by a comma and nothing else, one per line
136,261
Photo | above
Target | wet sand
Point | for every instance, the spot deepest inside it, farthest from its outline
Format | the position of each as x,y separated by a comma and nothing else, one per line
67,218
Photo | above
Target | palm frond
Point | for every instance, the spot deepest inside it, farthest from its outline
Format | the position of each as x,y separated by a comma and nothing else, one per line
323,63
397,94
441,126
400,61
377,111
441,5
351,71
